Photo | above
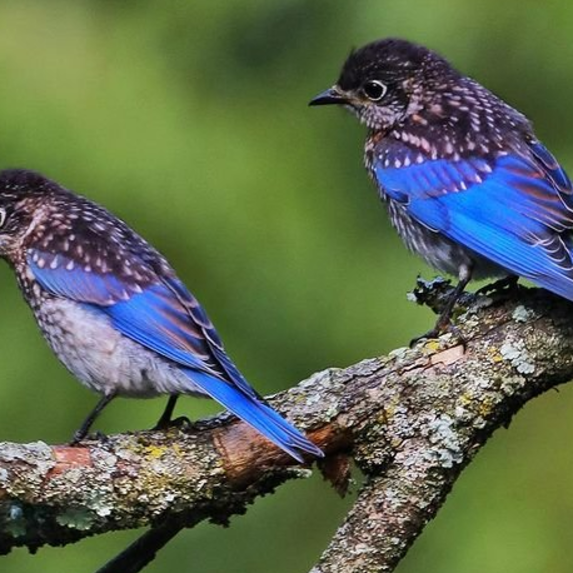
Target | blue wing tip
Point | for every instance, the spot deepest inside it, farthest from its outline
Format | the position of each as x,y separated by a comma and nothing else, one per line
258,415
303,446
287,437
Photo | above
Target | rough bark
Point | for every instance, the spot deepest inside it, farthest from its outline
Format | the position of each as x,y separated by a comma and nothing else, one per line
411,421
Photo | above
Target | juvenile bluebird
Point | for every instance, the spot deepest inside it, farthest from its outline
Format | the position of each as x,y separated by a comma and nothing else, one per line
114,312
467,184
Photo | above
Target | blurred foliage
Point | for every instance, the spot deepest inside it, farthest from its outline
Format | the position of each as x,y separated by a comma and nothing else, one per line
189,120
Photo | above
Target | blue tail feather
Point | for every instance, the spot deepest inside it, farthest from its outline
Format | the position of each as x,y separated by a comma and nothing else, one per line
258,415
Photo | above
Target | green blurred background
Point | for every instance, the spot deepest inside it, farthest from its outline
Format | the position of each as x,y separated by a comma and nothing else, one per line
189,120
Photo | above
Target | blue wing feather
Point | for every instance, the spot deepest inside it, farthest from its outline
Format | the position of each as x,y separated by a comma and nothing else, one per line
552,168
154,319
515,210
199,316
86,287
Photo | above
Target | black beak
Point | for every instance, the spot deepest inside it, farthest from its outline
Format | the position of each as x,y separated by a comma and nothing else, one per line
329,97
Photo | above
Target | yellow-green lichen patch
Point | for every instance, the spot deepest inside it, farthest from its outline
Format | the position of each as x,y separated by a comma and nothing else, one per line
432,345
495,355
485,406
154,452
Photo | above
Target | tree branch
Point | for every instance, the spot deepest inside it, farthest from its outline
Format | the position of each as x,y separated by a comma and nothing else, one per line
411,420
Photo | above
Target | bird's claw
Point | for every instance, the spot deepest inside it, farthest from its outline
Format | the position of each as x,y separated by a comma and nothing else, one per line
505,285
181,422
439,329
79,437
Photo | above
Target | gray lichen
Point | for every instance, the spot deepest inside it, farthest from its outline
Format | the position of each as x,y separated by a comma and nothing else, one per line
442,434
36,453
522,314
516,352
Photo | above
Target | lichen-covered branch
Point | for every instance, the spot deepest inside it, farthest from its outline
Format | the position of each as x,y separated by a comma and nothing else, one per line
411,421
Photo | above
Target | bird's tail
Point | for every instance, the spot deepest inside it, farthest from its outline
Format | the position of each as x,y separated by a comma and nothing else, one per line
258,415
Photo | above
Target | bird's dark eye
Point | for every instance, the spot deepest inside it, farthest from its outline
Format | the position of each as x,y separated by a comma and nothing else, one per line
374,90
2,217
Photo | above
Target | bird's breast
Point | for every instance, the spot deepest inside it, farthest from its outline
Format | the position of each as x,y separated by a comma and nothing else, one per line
102,358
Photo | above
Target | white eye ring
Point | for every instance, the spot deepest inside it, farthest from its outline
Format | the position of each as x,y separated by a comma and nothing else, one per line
2,217
374,90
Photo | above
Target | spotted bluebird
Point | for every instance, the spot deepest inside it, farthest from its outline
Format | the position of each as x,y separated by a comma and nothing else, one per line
113,310
467,184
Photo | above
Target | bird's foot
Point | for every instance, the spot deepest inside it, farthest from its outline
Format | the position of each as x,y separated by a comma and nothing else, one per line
182,422
80,436
444,323
441,327
505,286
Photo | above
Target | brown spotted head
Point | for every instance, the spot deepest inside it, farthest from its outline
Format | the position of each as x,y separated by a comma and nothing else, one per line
386,81
48,226
24,197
